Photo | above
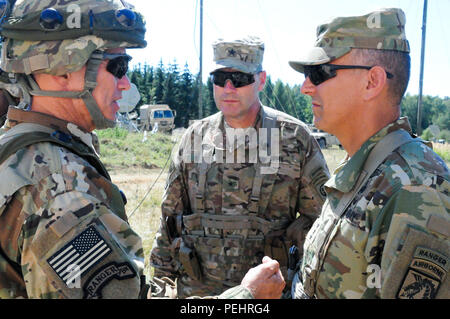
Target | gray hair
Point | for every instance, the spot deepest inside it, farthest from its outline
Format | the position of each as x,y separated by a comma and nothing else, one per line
395,62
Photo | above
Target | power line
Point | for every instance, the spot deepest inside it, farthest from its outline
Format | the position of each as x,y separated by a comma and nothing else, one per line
422,60
154,183
195,27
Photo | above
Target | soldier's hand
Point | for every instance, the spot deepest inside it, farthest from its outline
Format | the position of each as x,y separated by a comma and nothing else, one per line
265,281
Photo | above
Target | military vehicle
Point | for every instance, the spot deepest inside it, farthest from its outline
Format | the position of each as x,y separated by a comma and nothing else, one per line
323,138
157,117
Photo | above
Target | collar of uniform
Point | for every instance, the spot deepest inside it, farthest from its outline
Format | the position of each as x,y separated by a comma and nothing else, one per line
346,175
17,116
224,125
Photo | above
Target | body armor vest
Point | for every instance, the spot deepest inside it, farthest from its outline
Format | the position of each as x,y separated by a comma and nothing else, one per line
26,134
227,258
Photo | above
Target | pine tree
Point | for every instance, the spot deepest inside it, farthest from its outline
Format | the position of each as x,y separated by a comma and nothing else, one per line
209,103
185,97
158,85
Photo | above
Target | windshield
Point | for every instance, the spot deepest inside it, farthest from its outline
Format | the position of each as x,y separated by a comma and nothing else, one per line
168,114
158,114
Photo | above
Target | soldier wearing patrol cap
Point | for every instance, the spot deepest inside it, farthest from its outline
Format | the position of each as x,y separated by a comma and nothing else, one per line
63,228
384,229
220,215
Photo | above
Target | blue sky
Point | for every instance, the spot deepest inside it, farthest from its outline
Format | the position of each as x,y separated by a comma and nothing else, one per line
288,28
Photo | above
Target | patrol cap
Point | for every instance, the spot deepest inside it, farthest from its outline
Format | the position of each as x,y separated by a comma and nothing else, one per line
245,54
383,29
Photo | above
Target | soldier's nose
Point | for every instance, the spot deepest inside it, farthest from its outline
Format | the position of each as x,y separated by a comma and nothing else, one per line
307,87
229,85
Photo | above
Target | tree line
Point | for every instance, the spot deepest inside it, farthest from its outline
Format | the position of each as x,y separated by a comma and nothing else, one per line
178,88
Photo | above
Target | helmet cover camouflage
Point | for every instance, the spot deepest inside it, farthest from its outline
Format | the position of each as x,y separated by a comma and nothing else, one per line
86,26
245,55
383,29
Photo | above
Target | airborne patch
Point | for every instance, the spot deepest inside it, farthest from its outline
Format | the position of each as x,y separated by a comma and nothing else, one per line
426,272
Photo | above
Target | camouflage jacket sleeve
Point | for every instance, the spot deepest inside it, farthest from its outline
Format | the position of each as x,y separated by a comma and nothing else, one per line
311,194
416,256
62,233
238,292
175,201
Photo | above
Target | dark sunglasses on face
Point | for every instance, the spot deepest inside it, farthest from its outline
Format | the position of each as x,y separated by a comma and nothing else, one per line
322,72
117,64
238,79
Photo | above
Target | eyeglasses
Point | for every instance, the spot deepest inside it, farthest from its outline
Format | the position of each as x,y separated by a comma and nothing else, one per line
322,72
238,79
117,64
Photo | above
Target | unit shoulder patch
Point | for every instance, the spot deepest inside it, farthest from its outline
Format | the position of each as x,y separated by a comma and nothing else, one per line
425,274
94,285
420,269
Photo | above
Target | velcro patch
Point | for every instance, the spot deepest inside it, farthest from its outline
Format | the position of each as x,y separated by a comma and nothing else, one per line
425,274
79,255
94,285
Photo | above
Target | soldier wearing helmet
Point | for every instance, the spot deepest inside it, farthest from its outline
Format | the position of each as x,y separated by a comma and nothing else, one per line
63,228
64,231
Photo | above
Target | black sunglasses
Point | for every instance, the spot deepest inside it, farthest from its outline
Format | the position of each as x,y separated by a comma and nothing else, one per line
322,72
239,79
117,64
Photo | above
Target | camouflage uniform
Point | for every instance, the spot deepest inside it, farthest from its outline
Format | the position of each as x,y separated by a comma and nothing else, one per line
403,208
392,240
220,219
63,228
55,198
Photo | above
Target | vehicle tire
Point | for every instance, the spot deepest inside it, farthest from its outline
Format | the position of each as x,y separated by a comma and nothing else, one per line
322,143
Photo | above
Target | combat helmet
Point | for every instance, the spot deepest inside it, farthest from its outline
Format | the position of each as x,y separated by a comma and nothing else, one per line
59,37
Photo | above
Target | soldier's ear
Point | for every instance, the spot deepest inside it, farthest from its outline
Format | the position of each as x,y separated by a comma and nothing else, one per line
262,80
376,83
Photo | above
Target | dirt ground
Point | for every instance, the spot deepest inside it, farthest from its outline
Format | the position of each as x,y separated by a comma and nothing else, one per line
143,207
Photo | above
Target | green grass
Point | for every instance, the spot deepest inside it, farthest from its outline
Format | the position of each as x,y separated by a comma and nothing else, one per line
443,150
122,149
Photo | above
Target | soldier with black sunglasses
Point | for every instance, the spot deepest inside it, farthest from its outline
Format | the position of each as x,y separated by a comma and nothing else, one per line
384,229
222,215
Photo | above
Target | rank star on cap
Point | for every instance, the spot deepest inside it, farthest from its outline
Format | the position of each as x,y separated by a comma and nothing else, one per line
231,52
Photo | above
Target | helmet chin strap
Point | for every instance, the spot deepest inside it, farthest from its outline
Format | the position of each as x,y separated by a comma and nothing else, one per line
90,82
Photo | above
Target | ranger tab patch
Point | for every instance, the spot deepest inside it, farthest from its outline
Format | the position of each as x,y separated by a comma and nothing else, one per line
93,287
79,255
426,272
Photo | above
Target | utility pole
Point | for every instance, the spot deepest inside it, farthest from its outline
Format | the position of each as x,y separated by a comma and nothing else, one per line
200,75
422,58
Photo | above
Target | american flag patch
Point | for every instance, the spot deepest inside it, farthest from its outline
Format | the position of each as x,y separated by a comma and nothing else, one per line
80,255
